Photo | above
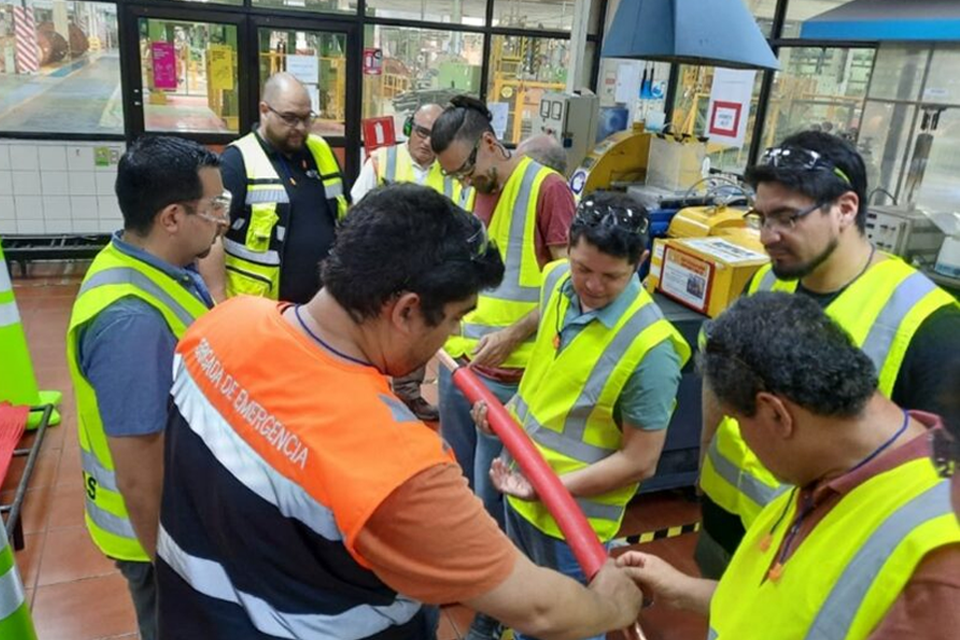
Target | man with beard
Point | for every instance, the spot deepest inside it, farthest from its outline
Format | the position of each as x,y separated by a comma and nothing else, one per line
136,300
287,199
811,206
527,209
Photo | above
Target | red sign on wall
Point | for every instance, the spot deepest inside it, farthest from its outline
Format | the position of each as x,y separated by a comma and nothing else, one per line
378,132
725,119
372,61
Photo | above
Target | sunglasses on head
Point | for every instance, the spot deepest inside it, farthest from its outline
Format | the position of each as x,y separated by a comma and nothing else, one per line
592,214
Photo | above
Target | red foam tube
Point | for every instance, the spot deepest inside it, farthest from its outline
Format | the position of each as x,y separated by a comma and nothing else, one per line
587,549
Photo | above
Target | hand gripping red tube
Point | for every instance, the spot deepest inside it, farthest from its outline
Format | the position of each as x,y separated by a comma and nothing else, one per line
577,532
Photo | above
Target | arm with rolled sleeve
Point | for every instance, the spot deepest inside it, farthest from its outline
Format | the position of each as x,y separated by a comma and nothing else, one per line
646,406
127,356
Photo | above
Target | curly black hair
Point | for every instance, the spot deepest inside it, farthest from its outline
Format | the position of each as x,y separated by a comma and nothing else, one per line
786,345
405,237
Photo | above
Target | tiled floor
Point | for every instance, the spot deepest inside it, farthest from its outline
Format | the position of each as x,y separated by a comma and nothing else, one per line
76,594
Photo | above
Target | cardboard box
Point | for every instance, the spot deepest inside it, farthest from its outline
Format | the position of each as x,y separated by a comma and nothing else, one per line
705,274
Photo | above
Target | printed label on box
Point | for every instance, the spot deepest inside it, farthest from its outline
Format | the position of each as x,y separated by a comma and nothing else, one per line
726,251
686,278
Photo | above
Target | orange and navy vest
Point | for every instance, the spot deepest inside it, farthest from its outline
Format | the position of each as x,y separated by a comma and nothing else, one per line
276,456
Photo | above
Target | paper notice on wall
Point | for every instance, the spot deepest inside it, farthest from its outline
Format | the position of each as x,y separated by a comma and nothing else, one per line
628,82
500,112
306,69
314,98
220,57
686,278
729,107
164,57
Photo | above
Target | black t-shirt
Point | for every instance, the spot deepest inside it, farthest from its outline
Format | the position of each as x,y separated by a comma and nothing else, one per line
311,229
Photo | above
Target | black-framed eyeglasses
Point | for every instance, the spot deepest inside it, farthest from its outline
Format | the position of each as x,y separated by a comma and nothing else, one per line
592,214
944,452
800,159
468,165
292,119
759,221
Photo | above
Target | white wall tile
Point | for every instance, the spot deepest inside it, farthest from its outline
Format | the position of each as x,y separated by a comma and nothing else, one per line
23,157
52,157
55,183
6,208
59,226
31,226
26,183
6,183
84,208
28,207
4,157
109,209
79,158
56,208
86,226
8,226
83,183
105,182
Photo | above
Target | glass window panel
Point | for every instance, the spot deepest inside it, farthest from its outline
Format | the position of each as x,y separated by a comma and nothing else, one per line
818,88
534,14
943,82
898,72
62,75
649,80
690,116
318,59
800,10
189,75
884,136
763,11
940,190
522,69
420,66
611,14
326,6
471,12
237,3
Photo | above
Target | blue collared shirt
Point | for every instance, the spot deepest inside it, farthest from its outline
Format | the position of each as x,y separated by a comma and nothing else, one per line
126,353
647,398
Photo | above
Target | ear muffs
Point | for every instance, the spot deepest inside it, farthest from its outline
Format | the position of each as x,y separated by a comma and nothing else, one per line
408,126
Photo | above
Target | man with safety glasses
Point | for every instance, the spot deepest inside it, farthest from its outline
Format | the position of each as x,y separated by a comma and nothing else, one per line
137,299
600,387
412,161
811,208
527,209
287,200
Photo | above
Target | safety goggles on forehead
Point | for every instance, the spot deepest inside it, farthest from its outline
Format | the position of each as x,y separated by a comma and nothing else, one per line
800,159
591,214
479,242
944,452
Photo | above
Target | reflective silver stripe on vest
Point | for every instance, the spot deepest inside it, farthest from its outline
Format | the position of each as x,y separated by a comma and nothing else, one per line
268,258
333,190
110,522
847,596
551,284
9,314
643,318
243,463
104,477
510,288
448,187
127,275
398,410
884,329
741,480
258,196
556,441
767,281
477,331
712,635
390,171
11,590
211,579
600,511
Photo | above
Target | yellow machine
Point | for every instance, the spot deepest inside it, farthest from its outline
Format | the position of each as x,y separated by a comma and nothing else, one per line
621,159
700,222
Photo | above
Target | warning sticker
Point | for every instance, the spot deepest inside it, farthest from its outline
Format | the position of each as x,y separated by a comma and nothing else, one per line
726,251
686,278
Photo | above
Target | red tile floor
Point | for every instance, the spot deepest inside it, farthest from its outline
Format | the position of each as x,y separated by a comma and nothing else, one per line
77,594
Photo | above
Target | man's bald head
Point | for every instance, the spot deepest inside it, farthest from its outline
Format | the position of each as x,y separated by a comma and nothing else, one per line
546,150
419,141
285,113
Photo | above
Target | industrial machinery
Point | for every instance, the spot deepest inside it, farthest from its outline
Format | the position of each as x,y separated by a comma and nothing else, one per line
908,233
571,119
